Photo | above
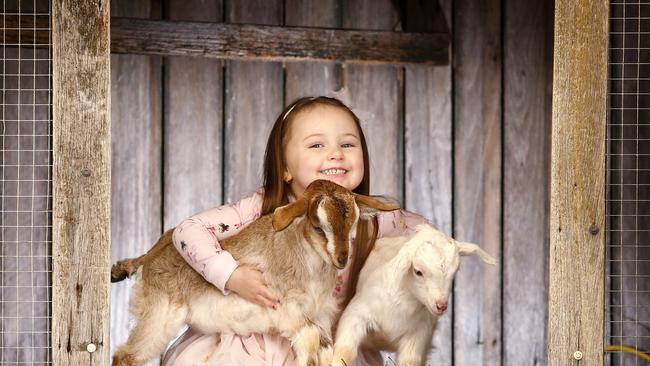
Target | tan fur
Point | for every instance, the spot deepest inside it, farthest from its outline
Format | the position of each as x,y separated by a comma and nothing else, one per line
296,264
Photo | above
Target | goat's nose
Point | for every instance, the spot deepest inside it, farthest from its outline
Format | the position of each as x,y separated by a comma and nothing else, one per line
343,259
441,306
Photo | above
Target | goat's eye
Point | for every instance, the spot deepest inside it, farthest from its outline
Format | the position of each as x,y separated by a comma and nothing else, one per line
320,231
418,272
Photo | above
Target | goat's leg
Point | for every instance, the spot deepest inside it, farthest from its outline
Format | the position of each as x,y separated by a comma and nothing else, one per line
157,322
352,329
306,344
412,348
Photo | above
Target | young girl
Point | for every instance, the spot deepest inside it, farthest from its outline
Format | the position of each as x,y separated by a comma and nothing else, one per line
313,138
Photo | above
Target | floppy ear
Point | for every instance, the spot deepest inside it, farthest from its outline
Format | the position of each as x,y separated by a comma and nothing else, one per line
282,216
473,249
369,206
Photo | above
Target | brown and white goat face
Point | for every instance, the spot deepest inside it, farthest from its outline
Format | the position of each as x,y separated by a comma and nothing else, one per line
435,259
335,218
333,211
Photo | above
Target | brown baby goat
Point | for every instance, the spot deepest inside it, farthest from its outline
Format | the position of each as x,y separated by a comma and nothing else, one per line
298,258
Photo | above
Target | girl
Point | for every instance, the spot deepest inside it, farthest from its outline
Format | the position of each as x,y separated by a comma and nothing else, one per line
313,138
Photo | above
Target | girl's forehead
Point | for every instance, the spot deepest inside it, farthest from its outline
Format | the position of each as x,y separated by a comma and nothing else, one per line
323,119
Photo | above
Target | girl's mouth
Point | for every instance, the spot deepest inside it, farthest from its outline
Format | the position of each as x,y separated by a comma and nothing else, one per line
334,171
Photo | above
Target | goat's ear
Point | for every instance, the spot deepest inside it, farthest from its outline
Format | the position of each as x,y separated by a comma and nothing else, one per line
473,249
370,206
282,216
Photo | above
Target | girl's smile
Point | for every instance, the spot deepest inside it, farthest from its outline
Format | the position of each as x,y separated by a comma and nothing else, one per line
323,143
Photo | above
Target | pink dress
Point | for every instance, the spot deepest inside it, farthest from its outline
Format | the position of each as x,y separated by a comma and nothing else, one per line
197,239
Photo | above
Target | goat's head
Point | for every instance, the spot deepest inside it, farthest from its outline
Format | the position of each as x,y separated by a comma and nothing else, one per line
434,259
333,211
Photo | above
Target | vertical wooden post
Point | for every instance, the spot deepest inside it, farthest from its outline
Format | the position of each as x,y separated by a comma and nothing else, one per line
577,216
81,182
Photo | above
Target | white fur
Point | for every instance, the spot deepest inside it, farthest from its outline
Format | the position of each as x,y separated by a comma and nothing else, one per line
394,308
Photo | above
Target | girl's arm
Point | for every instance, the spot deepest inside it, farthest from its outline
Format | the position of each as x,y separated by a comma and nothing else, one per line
197,238
398,223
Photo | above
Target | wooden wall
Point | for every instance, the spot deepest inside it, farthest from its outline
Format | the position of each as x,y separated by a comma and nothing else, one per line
465,145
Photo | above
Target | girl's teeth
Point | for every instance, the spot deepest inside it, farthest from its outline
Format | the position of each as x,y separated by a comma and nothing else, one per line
333,171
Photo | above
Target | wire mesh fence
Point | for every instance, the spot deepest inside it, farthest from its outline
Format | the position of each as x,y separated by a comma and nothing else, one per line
628,202
25,183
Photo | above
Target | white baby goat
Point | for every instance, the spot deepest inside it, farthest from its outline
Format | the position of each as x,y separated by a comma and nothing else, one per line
403,288
299,259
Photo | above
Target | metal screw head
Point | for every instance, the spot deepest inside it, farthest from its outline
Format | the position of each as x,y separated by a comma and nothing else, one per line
577,355
91,347
593,230
85,172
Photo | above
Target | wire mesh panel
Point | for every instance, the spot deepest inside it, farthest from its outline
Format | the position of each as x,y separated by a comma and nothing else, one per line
628,248
25,183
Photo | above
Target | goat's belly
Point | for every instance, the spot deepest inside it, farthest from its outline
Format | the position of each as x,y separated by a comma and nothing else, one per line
216,314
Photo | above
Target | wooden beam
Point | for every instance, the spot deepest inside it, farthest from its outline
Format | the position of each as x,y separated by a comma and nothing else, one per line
246,42
577,215
81,217
276,43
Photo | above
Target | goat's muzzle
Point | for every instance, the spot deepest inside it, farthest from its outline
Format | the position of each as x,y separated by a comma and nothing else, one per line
341,261
441,307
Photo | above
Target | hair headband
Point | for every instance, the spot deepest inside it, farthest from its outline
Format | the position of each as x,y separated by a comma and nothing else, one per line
294,106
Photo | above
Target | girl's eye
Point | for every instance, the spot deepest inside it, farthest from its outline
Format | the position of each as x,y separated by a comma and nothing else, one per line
347,145
315,146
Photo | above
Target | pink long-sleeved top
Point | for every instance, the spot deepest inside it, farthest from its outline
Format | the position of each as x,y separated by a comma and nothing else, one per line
197,239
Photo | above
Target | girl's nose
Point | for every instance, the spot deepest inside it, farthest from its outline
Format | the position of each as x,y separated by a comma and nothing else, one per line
335,154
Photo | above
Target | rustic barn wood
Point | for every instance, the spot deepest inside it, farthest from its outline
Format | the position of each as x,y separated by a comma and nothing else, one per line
311,78
376,92
526,133
136,160
428,155
577,213
477,179
253,100
81,219
193,123
275,43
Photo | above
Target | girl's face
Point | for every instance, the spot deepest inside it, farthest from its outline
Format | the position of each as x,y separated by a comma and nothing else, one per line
323,143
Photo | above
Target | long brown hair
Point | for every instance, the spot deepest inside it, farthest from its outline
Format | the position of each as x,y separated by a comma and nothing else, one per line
276,190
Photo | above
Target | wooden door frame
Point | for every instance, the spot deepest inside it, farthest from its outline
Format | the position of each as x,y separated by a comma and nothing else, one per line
577,212
81,215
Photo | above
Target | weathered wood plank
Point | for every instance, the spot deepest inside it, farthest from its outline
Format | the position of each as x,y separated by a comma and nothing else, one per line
376,95
136,161
253,102
428,148
528,57
577,216
238,41
81,182
311,78
477,192
193,123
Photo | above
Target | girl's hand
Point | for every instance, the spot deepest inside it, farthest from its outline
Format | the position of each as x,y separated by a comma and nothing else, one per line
247,282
